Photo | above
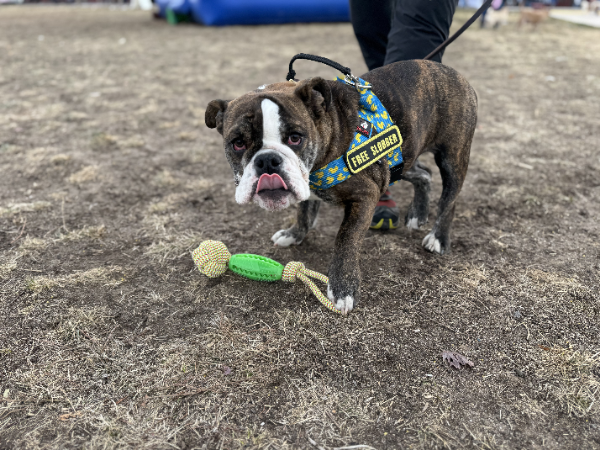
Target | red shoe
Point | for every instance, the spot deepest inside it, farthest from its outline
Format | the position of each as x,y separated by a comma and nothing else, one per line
387,215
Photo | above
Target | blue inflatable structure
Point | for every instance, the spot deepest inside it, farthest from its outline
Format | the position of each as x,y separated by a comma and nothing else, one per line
259,12
182,7
162,7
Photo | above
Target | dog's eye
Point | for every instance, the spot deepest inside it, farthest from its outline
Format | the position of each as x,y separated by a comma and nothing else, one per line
294,139
238,145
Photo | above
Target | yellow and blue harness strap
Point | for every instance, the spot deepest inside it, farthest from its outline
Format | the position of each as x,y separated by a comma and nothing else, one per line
379,131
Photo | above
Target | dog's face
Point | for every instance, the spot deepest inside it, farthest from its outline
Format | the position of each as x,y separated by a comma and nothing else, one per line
271,138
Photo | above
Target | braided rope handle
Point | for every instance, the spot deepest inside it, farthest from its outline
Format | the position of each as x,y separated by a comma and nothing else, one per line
294,270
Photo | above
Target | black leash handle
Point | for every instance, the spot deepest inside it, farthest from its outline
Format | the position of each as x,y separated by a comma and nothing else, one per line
292,74
467,24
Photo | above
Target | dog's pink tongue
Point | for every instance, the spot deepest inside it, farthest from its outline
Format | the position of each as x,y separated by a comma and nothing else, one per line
270,182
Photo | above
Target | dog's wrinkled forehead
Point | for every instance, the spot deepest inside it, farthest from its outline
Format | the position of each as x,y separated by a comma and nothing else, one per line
248,110
243,115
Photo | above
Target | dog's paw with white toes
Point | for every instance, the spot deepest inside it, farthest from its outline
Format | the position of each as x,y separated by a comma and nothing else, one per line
343,304
285,238
412,224
433,244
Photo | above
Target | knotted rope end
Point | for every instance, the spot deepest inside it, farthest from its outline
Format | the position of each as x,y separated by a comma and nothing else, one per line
291,271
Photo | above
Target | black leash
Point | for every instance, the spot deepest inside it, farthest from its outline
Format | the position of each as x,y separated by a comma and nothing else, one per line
467,24
352,80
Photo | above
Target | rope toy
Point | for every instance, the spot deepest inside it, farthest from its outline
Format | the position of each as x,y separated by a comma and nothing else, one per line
212,259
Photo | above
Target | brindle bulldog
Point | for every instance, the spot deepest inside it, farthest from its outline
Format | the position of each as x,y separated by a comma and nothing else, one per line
276,135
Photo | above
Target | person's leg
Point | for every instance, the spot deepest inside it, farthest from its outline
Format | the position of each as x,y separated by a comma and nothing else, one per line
418,27
371,20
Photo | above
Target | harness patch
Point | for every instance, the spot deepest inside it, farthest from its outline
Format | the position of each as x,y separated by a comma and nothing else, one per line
370,151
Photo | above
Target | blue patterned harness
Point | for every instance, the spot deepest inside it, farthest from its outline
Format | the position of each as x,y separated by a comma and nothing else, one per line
367,146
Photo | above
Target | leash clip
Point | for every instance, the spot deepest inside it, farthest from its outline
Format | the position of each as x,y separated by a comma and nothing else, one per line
354,81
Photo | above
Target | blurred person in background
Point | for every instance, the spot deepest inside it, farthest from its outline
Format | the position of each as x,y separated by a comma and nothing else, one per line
496,6
398,30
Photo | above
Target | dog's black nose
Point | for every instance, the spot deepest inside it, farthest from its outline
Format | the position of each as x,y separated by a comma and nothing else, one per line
269,163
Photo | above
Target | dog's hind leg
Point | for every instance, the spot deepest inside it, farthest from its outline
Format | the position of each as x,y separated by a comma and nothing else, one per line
418,211
308,211
453,162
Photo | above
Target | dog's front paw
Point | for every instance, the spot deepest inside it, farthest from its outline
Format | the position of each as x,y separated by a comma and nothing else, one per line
343,303
416,218
412,223
435,244
285,238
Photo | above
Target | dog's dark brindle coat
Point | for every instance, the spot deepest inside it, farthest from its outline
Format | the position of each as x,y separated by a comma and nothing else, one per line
435,109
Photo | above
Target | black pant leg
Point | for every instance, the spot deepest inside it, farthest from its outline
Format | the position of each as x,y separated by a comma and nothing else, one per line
371,20
418,27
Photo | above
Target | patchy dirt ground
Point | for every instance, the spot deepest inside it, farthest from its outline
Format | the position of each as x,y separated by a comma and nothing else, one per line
109,337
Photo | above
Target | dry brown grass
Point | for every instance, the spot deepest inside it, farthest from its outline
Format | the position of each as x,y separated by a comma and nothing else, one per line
176,246
103,141
87,232
61,158
31,243
104,275
166,179
571,377
76,322
16,208
85,175
132,142
6,269
110,338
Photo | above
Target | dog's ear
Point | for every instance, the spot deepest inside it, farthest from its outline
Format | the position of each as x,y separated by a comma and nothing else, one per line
213,117
316,95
